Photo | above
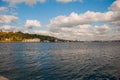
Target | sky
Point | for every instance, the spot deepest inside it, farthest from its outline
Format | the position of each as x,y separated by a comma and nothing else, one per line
83,20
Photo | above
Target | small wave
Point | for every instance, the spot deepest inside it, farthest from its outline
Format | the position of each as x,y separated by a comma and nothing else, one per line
99,77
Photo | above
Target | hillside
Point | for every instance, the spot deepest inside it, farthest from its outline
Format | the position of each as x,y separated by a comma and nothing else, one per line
19,36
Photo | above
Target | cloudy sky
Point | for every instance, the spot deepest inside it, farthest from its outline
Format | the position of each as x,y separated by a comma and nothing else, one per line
67,19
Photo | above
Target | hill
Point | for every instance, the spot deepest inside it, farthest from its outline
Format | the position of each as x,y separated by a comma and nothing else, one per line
19,36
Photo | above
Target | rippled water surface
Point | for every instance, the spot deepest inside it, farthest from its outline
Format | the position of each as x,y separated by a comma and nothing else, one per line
60,61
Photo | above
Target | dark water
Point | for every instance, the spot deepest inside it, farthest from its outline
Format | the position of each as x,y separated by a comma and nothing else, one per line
60,61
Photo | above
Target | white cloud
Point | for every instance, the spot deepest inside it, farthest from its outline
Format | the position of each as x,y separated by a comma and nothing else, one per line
3,9
115,6
67,1
13,3
32,23
99,30
75,19
9,28
82,32
78,26
7,19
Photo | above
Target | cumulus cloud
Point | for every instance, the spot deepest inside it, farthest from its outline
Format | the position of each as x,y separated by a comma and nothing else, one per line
101,29
115,7
32,23
13,3
9,28
115,23
67,1
3,9
75,19
82,32
7,19
78,26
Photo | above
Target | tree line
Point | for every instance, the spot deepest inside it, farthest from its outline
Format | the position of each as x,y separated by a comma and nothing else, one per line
19,36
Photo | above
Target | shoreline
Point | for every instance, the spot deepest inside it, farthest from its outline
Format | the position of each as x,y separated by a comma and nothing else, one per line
55,41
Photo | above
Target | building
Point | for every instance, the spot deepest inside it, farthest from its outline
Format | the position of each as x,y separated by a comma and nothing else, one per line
31,40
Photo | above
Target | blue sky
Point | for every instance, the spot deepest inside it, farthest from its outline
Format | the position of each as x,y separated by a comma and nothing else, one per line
59,17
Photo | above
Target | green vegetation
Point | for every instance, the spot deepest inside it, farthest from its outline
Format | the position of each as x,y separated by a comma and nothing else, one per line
19,36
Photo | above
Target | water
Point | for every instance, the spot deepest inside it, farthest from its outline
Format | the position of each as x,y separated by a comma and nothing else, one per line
60,61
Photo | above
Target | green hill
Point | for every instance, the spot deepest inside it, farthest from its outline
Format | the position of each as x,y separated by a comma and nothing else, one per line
19,36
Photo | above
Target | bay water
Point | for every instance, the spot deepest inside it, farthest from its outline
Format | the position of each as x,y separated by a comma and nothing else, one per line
60,61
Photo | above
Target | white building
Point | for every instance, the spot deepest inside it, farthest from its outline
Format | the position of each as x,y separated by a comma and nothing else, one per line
32,40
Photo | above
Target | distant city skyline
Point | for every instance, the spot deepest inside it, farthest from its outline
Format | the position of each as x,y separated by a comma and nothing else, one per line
83,20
